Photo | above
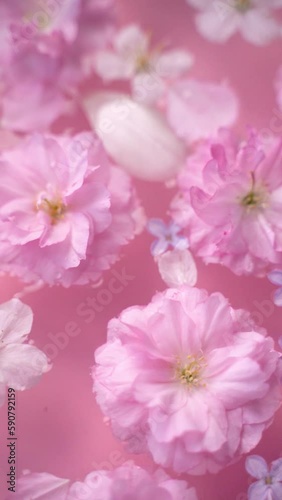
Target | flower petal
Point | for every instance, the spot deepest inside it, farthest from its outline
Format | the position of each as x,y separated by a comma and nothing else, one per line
41,486
177,267
197,110
15,321
275,277
22,365
277,297
153,152
174,63
157,228
256,466
218,26
276,469
258,27
110,66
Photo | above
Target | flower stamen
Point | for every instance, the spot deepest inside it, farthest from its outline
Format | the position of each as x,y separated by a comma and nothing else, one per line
255,198
242,5
54,208
190,373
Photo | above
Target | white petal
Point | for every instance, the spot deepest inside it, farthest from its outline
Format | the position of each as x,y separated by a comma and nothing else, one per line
131,41
42,486
174,63
22,365
111,66
147,87
15,321
136,137
218,24
177,267
259,28
196,110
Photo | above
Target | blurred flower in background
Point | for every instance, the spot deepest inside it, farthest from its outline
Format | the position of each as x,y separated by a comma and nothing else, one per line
218,20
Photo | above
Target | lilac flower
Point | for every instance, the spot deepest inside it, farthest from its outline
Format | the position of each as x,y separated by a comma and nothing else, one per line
269,480
167,236
275,277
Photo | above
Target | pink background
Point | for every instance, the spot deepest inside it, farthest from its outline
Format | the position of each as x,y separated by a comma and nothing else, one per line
60,428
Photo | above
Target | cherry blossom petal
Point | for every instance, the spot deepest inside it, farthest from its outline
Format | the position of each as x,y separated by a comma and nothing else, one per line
276,469
174,63
110,66
15,321
196,110
22,365
40,486
259,28
115,117
177,267
131,41
218,25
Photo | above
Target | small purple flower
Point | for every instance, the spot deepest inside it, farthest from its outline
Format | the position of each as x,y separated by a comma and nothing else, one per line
275,277
268,486
167,236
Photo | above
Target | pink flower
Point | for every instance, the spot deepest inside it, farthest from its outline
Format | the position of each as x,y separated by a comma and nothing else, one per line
195,383
230,203
21,364
219,20
126,482
65,212
132,58
269,480
44,48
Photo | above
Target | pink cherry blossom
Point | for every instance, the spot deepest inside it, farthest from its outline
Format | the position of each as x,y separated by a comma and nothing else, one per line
219,20
195,382
21,364
44,48
127,481
65,211
230,202
131,57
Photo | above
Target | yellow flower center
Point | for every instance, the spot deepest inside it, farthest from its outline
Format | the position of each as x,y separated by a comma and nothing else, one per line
256,197
242,5
252,199
268,480
54,208
142,62
191,372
